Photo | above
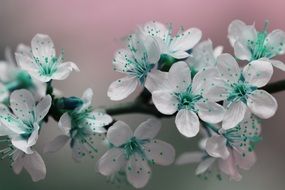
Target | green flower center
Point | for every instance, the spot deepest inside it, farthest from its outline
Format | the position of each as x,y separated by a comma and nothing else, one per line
187,100
240,91
133,146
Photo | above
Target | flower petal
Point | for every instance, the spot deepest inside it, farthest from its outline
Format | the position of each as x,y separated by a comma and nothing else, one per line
64,123
43,47
148,129
239,31
22,103
112,161
121,61
156,29
278,64
258,73
43,107
228,166
275,42
21,144
204,165
165,102
210,111
63,70
122,88
228,68
56,144
4,92
189,158
245,161
242,52
179,76
159,152
185,40
87,97
235,113
35,166
119,133
138,171
187,123
216,146
262,104
156,80
97,120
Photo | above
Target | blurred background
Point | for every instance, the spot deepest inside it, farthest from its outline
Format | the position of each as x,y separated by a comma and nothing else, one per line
90,32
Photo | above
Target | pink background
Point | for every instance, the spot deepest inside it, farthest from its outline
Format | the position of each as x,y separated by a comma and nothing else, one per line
90,32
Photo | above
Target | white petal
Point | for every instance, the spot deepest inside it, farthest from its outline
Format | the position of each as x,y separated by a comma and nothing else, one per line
217,91
79,150
43,107
156,80
26,62
18,163
228,166
42,46
112,161
189,158
122,88
22,103
204,165
152,49
21,144
34,136
179,76
56,144
210,111
63,70
159,152
203,80
138,171
10,125
165,102
187,123
64,123
245,161
121,61
258,73
186,40
218,51
242,52
216,147
119,133
234,115
156,29
275,42
35,166
278,64
87,97
228,68
179,54
97,120
262,104
148,129
239,31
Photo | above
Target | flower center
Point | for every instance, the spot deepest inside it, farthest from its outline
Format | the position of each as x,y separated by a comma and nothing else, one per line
133,146
187,99
240,91
47,66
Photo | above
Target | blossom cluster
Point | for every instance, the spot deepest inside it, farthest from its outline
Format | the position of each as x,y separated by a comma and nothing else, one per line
206,90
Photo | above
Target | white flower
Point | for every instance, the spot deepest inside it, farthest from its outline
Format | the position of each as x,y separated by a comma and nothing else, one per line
79,126
231,149
239,88
41,61
132,152
182,94
137,62
33,163
23,125
203,56
175,46
250,44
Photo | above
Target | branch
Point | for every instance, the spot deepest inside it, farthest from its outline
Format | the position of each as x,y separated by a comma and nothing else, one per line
141,104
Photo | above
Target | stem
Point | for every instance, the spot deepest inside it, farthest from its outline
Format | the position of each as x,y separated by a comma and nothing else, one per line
49,89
